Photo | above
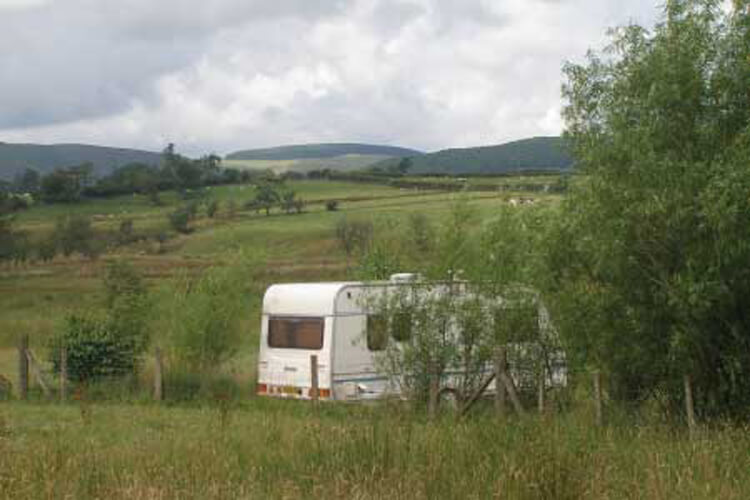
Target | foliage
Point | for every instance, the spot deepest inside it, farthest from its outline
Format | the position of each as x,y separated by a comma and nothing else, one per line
266,196
291,203
650,263
76,234
65,185
212,208
13,243
332,205
109,345
203,315
180,220
474,293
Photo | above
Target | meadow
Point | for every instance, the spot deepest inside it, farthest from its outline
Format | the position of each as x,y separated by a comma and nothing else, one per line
284,449
123,445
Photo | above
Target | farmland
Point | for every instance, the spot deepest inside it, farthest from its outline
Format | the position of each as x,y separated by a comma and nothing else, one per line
119,444
298,247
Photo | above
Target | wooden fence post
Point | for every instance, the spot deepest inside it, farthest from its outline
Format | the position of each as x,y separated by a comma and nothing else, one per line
23,367
314,377
434,393
63,373
540,389
598,398
689,409
511,388
501,365
36,368
158,374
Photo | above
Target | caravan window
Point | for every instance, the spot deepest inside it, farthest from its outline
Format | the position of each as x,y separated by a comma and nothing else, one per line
295,333
377,332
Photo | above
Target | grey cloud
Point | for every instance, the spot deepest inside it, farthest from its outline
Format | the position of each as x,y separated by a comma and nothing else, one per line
85,59
231,74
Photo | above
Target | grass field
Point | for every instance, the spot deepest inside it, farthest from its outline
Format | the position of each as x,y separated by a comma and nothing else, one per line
283,449
257,448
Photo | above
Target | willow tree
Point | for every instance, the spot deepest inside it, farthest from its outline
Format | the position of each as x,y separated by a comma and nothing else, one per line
652,259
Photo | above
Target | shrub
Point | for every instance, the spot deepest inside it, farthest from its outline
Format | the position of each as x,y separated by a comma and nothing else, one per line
212,208
125,233
76,234
94,350
203,317
110,345
180,221
332,205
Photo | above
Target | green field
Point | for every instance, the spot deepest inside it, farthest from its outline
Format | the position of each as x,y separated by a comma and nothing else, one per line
128,447
282,449
343,163
300,247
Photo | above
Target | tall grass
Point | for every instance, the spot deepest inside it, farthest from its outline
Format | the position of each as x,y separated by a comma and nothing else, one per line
288,450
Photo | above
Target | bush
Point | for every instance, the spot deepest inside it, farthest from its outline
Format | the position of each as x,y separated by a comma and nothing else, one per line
110,345
94,350
76,234
332,205
212,208
125,233
180,221
203,317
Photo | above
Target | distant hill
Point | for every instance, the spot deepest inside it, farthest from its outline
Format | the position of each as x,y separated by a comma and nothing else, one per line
538,153
319,151
14,158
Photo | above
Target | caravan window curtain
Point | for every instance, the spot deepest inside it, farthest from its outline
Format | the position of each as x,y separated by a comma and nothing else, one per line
295,333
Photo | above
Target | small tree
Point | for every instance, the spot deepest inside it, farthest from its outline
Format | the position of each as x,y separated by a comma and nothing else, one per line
76,234
266,197
203,316
212,208
332,205
108,345
180,221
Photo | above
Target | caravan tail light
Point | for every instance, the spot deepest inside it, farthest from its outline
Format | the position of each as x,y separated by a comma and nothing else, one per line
322,393
261,389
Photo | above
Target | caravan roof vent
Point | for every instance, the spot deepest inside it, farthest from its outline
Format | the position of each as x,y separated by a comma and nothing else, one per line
404,277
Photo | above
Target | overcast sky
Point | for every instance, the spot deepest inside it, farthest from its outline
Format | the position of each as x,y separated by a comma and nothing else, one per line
223,75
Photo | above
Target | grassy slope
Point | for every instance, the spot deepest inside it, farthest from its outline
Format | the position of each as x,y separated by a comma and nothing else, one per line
344,163
297,247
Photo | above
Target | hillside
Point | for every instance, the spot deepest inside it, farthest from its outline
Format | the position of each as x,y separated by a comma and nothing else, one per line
14,158
538,153
319,151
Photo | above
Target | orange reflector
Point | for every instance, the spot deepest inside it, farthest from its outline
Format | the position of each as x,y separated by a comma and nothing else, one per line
322,393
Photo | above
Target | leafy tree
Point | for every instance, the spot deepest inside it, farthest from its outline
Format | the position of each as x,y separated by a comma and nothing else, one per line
266,197
290,203
651,260
61,186
202,315
76,234
28,182
180,220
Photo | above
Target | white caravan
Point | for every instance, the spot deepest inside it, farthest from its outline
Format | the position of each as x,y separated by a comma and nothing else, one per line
327,320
